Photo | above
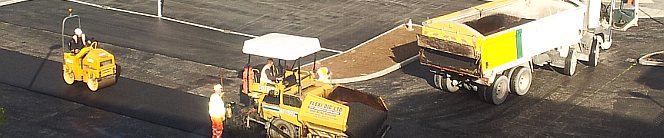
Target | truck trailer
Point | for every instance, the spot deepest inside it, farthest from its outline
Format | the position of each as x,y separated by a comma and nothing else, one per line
492,48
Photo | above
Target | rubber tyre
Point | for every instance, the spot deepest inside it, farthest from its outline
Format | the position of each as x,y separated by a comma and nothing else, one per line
606,46
284,126
68,76
593,57
446,83
436,81
497,93
481,92
93,83
570,63
521,80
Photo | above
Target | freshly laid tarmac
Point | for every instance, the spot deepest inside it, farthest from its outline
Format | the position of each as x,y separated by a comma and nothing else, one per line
30,114
133,31
135,99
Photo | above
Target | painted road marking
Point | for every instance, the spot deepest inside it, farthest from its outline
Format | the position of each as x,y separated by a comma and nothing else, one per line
7,2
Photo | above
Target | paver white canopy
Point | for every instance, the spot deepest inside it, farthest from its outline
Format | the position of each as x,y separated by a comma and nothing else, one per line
281,46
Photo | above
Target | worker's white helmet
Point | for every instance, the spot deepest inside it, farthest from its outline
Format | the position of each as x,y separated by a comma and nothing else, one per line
78,31
217,88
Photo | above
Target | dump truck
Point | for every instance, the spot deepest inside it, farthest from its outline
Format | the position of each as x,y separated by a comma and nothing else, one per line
492,48
90,64
297,104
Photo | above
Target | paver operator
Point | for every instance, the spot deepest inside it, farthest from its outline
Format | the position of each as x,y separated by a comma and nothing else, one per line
267,73
217,111
323,74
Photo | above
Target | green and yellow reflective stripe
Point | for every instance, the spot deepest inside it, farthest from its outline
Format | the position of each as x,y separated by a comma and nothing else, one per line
519,51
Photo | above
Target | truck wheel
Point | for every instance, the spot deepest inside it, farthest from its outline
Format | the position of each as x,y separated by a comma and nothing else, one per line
436,80
447,85
593,57
520,82
283,126
570,63
497,93
68,76
93,83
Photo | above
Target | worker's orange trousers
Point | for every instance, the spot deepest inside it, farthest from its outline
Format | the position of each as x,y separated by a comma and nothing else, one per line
217,127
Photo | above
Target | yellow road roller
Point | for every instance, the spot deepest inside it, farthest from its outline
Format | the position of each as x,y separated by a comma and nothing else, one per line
88,62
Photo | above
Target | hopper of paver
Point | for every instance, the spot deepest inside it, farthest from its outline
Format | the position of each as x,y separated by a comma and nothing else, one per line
348,111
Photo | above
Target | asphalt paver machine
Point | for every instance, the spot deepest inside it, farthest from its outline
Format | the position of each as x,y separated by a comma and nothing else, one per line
298,105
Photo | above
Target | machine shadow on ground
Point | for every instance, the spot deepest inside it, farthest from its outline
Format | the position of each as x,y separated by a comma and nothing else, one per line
44,59
653,78
405,51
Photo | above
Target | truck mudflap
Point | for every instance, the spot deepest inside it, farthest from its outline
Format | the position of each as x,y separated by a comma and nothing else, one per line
367,112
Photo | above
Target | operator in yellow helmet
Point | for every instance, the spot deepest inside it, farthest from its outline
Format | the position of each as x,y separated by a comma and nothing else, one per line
323,74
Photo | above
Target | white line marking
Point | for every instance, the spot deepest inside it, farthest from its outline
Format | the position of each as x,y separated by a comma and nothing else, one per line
165,18
377,74
331,50
361,44
180,21
7,2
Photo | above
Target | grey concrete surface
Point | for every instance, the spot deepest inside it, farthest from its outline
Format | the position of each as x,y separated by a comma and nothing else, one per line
651,9
340,25
29,114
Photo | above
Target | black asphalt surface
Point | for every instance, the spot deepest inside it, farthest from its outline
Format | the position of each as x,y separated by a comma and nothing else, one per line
135,31
31,114
615,99
135,99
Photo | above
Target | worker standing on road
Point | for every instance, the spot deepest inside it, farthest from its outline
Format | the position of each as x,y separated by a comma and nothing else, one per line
267,73
217,111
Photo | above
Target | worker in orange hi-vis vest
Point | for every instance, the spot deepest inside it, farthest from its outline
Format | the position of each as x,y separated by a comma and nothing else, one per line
217,111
